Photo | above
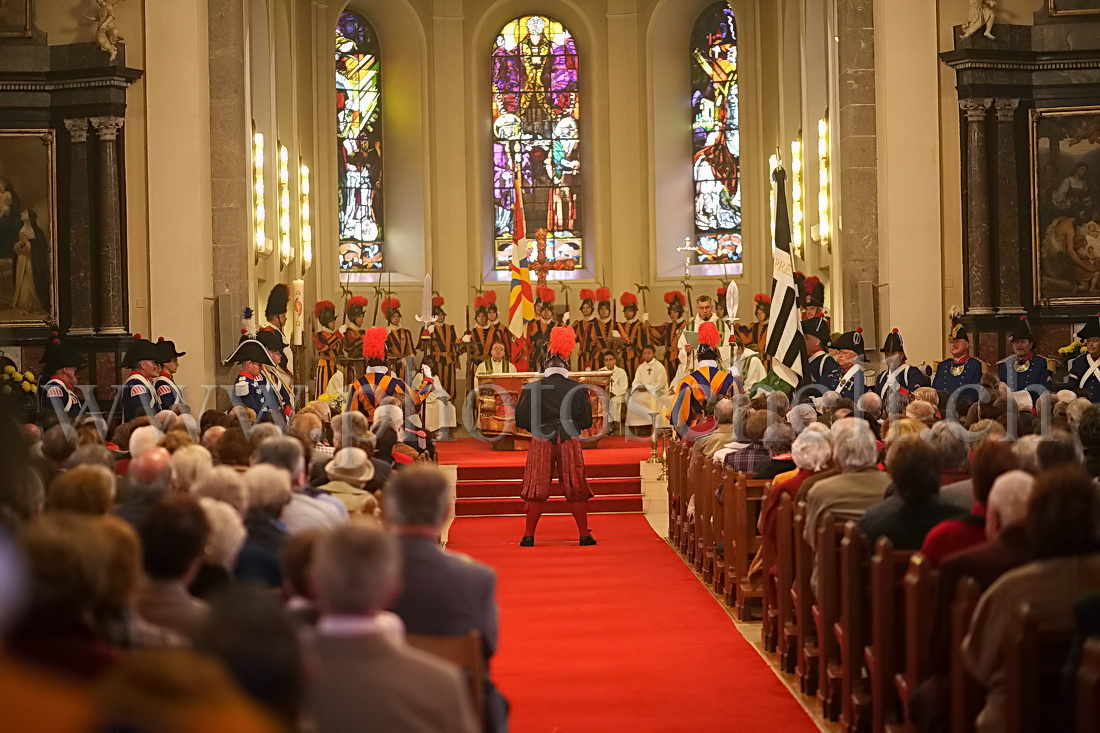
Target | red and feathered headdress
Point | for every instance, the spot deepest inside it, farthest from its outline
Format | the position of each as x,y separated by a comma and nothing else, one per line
588,294
708,334
562,341
762,298
675,296
810,283
490,297
356,302
323,305
722,290
479,301
374,343
546,294
603,295
389,305
437,301
628,300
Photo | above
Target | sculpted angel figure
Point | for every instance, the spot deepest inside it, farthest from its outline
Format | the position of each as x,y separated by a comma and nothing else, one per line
106,34
981,15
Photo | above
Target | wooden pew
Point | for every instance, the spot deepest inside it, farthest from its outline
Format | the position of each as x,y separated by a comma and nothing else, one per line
713,572
672,469
709,477
466,652
966,695
885,654
687,492
920,584
698,489
744,542
826,612
729,490
786,625
769,611
851,629
802,601
1034,660
1088,688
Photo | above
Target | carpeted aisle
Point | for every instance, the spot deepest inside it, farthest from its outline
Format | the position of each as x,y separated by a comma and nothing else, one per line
618,637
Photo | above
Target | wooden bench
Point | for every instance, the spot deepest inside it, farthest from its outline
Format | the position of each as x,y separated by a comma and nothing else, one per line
786,651
712,478
885,654
743,541
721,478
465,651
802,601
672,469
851,629
1034,662
826,612
967,696
1088,688
920,585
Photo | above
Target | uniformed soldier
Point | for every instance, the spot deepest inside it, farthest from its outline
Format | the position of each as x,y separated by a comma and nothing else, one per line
668,333
477,340
57,395
400,346
1084,370
961,369
538,330
898,378
1024,368
139,397
494,319
823,368
849,355
701,385
328,342
602,328
586,353
755,335
168,392
280,380
440,341
634,334
275,312
811,296
252,389
377,383
355,309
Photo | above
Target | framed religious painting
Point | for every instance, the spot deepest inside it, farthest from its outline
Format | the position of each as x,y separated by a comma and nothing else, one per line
1065,204
28,228
1073,7
15,18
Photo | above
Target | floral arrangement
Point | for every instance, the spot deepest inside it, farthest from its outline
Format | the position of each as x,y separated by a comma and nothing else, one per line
335,401
1071,351
12,380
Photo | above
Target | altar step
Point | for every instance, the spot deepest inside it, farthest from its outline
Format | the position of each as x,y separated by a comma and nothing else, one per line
494,490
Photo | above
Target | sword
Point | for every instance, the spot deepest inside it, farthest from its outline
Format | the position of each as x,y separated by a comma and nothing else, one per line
426,317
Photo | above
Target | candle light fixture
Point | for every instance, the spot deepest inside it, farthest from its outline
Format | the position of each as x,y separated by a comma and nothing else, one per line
259,211
286,253
824,197
304,216
796,196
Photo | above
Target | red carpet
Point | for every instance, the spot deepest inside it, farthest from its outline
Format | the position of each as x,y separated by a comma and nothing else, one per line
473,452
618,637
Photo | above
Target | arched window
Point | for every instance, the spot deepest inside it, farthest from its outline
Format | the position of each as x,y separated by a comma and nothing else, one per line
359,143
715,137
536,146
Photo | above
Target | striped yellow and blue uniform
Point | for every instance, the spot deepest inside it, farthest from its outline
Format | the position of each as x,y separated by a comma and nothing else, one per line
696,389
373,387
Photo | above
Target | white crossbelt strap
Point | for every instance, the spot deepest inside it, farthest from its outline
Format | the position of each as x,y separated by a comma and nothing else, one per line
1092,371
892,378
848,377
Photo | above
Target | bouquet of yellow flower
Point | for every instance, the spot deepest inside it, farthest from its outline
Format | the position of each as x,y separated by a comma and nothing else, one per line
1070,352
22,387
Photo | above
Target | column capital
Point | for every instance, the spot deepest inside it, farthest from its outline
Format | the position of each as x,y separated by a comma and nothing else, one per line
1006,108
78,128
975,107
107,128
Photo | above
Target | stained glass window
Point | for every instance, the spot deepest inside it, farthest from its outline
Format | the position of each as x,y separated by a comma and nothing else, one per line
715,137
536,146
359,143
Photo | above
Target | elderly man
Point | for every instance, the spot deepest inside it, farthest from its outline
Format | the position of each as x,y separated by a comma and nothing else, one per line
356,570
320,510
442,594
1084,372
1023,368
148,479
139,396
824,373
723,429
174,535
961,369
269,493
898,379
850,354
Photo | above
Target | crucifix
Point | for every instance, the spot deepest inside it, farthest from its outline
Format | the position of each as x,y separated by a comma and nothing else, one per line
541,265
687,249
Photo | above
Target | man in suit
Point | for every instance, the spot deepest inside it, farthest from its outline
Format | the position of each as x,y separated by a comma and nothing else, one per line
367,679
555,409
442,593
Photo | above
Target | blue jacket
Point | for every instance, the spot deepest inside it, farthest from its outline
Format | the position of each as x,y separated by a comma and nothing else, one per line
853,388
1078,368
950,376
168,392
824,371
55,398
138,398
1036,372
909,379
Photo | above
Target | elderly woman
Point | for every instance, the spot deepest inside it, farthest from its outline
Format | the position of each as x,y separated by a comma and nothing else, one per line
811,453
348,473
227,536
224,484
84,489
190,464
269,493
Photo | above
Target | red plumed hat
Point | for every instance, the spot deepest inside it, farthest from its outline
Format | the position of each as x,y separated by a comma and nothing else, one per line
437,301
323,305
762,298
546,294
603,295
722,290
587,294
675,296
810,283
562,341
356,301
479,302
389,305
708,335
374,343
628,300
490,297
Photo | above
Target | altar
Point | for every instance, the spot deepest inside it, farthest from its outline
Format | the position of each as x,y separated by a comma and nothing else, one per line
496,407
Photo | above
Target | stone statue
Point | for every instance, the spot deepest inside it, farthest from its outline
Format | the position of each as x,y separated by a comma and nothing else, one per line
981,15
106,35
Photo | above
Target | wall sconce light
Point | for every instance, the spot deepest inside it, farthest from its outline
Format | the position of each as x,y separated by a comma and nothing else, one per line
303,216
773,164
286,253
824,202
259,212
796,196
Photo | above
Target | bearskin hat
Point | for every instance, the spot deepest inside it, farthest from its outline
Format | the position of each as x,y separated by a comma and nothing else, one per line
277,301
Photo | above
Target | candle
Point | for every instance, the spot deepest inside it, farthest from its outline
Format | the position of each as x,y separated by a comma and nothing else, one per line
297,299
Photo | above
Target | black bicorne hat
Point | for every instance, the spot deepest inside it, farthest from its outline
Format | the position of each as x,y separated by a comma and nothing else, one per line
1091,328
958,331
168,350
893,343
250,350
277,301
59,355
819,327
272,341
1022,331
850,341
142,350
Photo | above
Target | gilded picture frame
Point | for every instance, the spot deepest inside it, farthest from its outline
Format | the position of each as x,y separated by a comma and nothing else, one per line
28,228
15,19
1073,7
1065,205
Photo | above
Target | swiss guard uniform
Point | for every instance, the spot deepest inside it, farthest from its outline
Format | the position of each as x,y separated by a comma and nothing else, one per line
494,320
139,397
1019,375
905,378
582,327
538,330
634,334
280,380
823,369
602,328
951,374
1084,371
168,392
441,343
54,395
851,385
355,310
253,391
328,342
755,335
367,392
400,347
668,333
478,339
702,384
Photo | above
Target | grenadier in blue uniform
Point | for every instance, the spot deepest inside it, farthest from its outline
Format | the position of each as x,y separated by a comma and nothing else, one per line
1084,371
139,397
850,352
823,369
252,389
898,378
961,370
280,380
57,395
168,392
1025,367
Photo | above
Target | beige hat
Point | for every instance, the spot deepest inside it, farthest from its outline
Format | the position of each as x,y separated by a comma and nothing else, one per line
351,465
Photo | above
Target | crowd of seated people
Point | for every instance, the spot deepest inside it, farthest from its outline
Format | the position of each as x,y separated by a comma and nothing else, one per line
214,574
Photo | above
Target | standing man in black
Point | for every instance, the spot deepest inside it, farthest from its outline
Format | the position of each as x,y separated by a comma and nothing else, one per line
555,409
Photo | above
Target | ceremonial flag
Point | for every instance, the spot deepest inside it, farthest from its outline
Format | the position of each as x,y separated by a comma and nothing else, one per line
785,342
521,307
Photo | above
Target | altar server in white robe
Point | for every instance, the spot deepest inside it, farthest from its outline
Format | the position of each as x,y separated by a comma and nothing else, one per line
617,393
497,363
649,392
439,410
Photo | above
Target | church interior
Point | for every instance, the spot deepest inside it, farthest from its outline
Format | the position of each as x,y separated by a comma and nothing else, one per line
827,271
